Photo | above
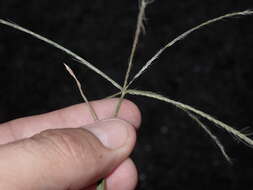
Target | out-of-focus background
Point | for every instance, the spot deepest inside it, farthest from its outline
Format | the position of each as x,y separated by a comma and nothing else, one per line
210,69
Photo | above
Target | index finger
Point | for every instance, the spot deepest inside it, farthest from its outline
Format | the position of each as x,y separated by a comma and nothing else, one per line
70,117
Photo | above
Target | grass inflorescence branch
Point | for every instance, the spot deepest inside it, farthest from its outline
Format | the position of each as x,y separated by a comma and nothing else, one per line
139,28
65,50
182,36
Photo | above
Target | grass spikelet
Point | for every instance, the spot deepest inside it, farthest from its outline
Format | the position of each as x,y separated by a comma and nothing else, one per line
182,36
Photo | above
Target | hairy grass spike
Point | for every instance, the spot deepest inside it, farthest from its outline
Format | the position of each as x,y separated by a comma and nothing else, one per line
67,51
242,137
215,139
182,36
139,27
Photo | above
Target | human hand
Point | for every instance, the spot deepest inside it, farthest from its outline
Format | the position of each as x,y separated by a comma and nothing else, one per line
52,152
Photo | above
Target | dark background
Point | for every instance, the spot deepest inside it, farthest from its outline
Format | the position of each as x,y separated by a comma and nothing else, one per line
210,70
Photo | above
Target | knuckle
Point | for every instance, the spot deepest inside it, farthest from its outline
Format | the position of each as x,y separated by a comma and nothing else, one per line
72,144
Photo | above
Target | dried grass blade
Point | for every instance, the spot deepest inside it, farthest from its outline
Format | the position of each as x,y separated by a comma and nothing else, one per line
67,51
182,36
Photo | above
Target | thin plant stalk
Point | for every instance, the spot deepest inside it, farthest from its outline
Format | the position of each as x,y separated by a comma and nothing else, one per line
113,95
101,185
90,107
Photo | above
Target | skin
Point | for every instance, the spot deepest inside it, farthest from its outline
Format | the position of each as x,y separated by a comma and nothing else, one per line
67,150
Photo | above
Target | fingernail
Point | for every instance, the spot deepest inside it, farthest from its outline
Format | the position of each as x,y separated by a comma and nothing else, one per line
112,133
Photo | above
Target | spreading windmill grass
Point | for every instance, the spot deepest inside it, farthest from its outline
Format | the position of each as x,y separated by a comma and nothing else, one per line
124,89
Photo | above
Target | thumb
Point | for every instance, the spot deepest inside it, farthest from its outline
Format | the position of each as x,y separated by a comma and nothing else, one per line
66,158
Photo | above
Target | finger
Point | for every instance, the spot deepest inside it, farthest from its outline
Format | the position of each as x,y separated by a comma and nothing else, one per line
122,178
70,117
66,158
